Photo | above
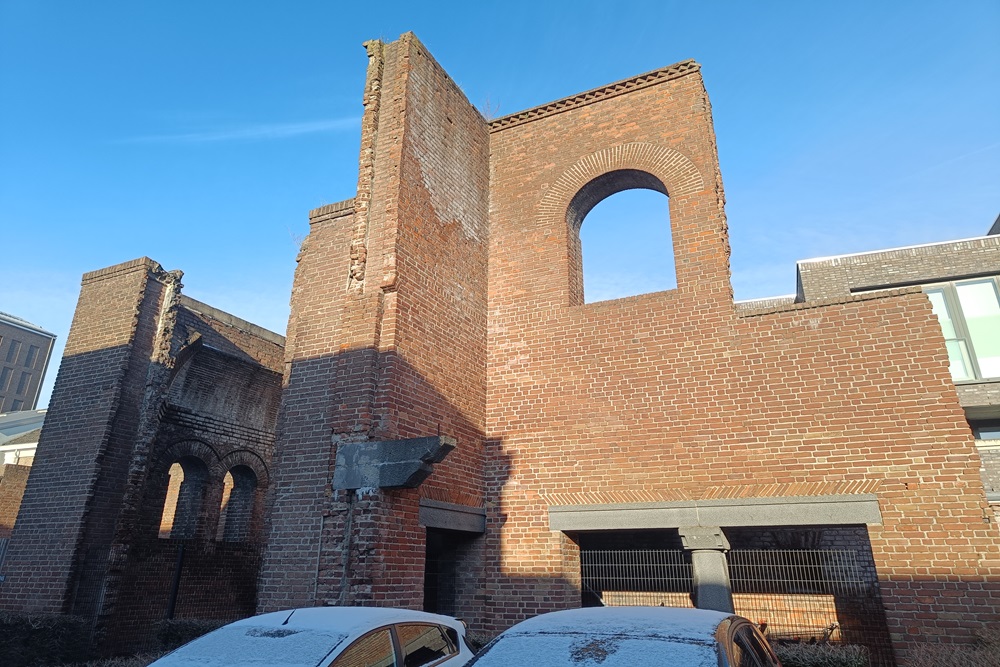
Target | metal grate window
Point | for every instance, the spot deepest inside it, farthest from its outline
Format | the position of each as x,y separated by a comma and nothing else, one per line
647,577
810,596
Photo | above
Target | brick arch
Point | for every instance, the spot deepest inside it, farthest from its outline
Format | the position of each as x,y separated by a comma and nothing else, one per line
674,169
183,509
244,457
572,195
195,448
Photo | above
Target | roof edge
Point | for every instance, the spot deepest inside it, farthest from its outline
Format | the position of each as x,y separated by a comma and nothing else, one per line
607,91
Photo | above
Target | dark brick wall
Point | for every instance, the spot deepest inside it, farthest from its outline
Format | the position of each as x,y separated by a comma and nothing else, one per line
932,263
78,467
150,378
990,455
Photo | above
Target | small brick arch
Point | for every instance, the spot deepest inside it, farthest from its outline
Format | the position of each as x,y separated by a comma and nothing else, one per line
195,448
674,169
244,457
603,173
179,511
242,502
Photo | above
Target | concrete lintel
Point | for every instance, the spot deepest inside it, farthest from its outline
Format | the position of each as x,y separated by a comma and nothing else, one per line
785,511
451,516
389,464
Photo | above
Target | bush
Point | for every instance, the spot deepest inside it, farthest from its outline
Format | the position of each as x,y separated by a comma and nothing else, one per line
822,655
985,652
31,640
179,631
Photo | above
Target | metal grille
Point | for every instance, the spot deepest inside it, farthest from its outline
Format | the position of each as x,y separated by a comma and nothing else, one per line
811,596
797,595
3,551
650,577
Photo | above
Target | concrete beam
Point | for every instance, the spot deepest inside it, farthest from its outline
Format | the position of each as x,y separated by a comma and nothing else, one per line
389,464
787,511
451,516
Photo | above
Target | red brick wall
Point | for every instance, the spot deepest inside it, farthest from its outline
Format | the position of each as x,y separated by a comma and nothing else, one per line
673,396
398,329
386,340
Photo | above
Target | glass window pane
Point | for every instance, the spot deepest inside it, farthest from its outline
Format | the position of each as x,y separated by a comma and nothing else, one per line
373,650
958,358
940,307
981,308
422,644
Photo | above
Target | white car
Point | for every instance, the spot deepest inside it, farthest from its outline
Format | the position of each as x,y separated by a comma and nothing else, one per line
329,637
630,637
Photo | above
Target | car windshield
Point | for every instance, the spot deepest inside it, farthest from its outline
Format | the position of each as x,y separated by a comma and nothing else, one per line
248,645
585,649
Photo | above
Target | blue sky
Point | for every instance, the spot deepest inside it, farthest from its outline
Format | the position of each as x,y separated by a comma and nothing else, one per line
200,134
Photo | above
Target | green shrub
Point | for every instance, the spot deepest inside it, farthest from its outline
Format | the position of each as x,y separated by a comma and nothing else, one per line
31,640
822,655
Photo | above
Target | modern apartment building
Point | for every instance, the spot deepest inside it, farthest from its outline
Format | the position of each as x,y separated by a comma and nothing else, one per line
25,349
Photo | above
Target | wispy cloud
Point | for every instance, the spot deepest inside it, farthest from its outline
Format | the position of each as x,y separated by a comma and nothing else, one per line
260,132
944,163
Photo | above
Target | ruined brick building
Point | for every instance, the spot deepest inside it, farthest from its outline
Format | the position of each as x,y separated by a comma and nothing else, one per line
458,430
152,461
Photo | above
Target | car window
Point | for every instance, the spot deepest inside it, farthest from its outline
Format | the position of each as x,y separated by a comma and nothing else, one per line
373,650
762,649
747,649
423,644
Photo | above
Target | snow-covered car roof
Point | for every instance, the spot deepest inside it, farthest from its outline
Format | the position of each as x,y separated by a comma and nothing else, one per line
305,637
610,637
692,624
346,620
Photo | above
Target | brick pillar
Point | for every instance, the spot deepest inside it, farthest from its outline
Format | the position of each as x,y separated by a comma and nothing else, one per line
382,281
73,495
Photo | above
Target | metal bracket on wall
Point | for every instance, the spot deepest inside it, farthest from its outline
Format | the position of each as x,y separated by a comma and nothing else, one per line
389,464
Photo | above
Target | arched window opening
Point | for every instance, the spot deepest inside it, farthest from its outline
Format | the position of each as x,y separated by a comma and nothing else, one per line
626,247
188,477
238,494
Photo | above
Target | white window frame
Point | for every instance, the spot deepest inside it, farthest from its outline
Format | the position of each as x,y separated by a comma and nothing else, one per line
962,334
